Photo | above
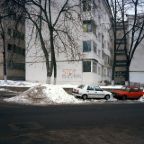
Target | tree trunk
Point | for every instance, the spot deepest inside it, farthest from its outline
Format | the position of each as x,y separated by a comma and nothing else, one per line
53,59
54,82
115,37
127,82
48,81
4,60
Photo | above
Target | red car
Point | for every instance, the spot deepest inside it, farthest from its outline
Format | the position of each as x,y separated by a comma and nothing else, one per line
129,92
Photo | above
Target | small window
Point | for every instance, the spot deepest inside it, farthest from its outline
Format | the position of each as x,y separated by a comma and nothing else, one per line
9,47
86,46
104,72
86,66
94,66
98,88
94,47
103,41
99,70
9,31
89,26
86,5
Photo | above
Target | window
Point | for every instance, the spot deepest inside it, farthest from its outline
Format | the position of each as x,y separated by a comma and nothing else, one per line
99,36
120,74
18,66
86,66
9,47
86,46
10,32
106,59
109,73
16,34
89,26
99,70
104,72
15,49
90,88
86,5
102,41
95,47
94,66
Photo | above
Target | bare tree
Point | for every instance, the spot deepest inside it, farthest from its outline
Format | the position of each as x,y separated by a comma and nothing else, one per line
58,18
133,31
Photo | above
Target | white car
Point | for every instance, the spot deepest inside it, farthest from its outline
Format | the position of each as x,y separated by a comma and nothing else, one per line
91,91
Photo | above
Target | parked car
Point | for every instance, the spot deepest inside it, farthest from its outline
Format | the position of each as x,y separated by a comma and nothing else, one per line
91,91
128,92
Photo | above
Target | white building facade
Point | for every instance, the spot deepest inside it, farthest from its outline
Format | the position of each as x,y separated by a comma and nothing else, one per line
137,64
94,38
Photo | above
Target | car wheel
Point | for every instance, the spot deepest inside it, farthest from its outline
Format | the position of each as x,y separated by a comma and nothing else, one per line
124,97
107,97
84,97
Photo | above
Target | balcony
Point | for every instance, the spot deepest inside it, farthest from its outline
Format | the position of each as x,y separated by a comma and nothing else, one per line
121,63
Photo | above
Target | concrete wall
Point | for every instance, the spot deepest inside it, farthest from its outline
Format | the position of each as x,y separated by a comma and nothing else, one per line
137,63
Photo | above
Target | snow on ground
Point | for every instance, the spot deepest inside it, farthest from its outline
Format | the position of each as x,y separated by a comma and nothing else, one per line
141,99
17,83
47,95
44,94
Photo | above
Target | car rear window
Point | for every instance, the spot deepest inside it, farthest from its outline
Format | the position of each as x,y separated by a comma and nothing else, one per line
81,86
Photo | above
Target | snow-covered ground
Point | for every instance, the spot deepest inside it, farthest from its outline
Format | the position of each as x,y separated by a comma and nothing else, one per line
44,94
17,83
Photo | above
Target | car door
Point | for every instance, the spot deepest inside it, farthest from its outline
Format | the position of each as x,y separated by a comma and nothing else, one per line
99,92
91,91
135,93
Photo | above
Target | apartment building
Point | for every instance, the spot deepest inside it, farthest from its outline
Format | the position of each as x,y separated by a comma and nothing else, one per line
136,69
95,45
12,46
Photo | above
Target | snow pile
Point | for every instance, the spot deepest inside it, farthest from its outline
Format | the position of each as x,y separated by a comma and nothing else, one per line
44,94
141,99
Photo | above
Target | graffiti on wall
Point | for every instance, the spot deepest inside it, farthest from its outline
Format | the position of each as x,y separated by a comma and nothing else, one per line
70,74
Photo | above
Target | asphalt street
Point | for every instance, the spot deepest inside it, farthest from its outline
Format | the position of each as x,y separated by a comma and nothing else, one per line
72,124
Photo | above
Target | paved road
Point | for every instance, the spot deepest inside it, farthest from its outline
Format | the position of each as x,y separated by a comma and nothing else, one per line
72,124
